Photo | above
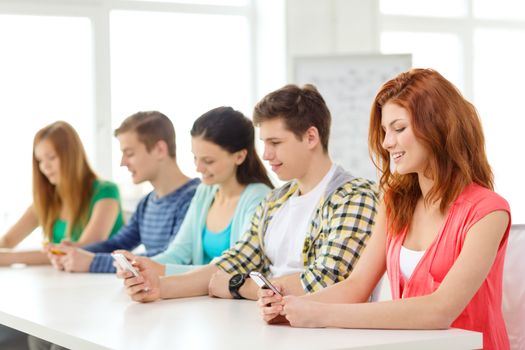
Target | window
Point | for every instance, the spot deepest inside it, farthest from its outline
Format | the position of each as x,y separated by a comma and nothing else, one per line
95,62
46,69
431,8
441,51
180,64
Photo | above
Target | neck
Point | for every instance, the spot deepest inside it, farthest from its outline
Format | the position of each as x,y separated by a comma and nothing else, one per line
231,189
168,179
317,168
425,184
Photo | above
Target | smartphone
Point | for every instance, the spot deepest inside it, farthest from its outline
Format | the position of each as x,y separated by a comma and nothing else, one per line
263,282
124,263
56,251
52,248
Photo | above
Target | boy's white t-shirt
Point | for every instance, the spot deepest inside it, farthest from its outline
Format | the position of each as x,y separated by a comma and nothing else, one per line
287,230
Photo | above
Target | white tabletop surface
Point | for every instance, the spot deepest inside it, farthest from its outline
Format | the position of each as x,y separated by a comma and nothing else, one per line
92,311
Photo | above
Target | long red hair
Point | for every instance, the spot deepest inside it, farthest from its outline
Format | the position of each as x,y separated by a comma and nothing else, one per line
447,125
74,191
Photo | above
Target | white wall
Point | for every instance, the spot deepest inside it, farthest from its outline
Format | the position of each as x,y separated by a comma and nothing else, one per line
330,27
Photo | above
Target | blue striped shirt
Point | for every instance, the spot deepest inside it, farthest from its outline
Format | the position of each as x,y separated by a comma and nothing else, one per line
154,224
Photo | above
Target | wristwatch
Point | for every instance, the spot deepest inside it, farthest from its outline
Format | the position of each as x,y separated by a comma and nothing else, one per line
236,282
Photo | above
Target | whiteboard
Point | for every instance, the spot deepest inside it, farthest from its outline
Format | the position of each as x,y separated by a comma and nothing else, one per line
349,85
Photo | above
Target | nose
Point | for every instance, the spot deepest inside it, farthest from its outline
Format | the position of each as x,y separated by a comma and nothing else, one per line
199,167
123,161
388,141
268,153
45,166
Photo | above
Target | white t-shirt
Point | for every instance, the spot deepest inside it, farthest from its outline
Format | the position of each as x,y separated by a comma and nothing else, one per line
408,260
287,230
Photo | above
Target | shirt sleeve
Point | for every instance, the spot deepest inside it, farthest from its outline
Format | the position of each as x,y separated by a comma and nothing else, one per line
180,249
246,255
106,190
127,238
346,225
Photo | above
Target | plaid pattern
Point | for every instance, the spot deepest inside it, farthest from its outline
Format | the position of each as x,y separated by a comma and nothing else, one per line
337,235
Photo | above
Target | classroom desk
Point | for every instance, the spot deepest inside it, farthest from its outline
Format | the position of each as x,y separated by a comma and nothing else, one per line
92,311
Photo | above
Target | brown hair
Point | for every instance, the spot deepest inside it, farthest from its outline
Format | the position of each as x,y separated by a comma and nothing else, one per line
447,125
300,109
73,192
151,127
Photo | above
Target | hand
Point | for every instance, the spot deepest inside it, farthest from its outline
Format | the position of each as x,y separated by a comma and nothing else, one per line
270,305
159,269
123,274
145,287
54,255
219,285
75,259
301,312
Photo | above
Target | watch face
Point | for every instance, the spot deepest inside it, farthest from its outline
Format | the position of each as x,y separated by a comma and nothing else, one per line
237,280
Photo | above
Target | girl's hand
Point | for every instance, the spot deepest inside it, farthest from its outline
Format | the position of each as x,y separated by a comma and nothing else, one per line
301,312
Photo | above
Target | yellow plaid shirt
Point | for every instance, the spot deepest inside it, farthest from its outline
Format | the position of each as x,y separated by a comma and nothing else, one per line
337,235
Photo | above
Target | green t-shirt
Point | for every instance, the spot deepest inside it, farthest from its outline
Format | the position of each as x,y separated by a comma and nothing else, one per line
101,190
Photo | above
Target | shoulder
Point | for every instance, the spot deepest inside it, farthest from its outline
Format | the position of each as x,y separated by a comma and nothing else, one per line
204,191
190,187
281,193
476,197
105,189
256,190
351,189
184,193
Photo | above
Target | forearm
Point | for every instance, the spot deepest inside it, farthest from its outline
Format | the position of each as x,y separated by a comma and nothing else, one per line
190,284
28,257
4,243
411,313
291,285
344,292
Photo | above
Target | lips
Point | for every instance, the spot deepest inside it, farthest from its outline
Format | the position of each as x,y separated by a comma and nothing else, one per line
396,156
276,167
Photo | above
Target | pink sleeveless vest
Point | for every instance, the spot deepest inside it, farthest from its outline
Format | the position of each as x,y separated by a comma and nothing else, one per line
483,312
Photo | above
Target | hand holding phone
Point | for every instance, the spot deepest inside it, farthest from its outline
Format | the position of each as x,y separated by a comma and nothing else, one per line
124,263
51,248
263,282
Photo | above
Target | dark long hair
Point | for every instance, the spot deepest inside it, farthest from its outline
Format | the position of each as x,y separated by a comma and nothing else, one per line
233,132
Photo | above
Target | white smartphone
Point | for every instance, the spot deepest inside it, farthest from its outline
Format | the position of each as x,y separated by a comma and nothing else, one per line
262,281
124,263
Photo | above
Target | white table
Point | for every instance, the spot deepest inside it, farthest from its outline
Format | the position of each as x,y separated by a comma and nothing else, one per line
92,311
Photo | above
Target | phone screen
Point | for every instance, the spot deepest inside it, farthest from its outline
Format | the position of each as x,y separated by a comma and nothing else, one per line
124,263
262,281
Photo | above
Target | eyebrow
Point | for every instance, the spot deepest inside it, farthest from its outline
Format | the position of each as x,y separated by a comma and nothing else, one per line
271,139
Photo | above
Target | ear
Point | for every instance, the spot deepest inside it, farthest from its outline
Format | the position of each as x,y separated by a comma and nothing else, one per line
311,137
161,149
240,156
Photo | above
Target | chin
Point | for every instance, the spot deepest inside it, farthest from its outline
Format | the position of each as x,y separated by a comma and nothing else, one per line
208,180
137,180
284,177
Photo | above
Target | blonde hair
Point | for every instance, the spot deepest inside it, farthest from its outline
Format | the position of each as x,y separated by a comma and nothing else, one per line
73,193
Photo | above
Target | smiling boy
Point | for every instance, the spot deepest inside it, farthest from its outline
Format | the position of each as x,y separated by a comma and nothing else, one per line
305,235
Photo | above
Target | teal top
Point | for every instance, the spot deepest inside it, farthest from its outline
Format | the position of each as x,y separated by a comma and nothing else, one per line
186,251
101,190
214,243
